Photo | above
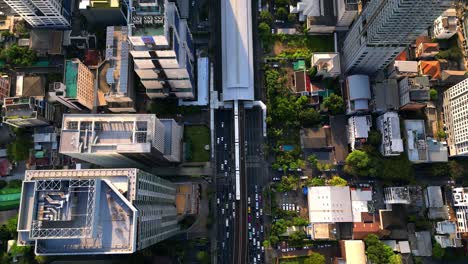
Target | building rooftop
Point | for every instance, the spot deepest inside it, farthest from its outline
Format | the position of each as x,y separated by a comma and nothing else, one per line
72,212
433,196
71,76
107,133
329,204
355,252
416,140
430,68
30,86
386,95
405,67
115,70
327,63
46,41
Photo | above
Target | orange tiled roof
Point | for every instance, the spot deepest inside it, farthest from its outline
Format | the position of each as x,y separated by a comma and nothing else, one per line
431,68
402,56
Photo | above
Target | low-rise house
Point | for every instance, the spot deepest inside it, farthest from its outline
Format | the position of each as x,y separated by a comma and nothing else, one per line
385,96
388,125
358,130
301,83
402,68
317,141
27,111
427,50
329,204
45,154
46,42
421,244
446,234
446,25
397,195
358,93
414,93
451,77
4,87
430,68
359,203
328,64
352,252
422,149
435,203
340,144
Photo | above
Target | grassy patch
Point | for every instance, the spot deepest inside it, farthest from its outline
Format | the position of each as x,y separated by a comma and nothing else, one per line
9,190
8,205
196,138
292,260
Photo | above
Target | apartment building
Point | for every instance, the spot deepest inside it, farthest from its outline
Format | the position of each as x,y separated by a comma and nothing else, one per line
43,13
456,118
27,111
124,140
105,12
388,125
384,29
162,49
78,90
446,25
460,202
95,211
115,76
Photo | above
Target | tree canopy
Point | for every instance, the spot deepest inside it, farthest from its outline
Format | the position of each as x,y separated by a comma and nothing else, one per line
315,258
266,17
376,251
358,163
335,104
281,13
437,251
17,55
337,181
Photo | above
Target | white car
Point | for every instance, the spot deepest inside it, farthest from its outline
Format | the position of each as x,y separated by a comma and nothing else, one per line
261,228
256,197
256,205
217,201
222,139
250,226
225,162
222,210
234,205
222,166
248,200
217,140
225,146
222,124
225,174
257,215
261,211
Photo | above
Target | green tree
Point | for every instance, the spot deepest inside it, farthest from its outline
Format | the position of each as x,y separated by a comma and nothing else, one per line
455,169
433,94
203,257
3,184
321,166
395,259
437,251
264,31
17,55
309,117
312,71
292,17
358,163
315,182
11,225
315,258
440,169
297,236
454,53
441,134
19,149
377,252
279,227
335,104
375,138
337,181
394,168
266,17
312,159
299,221
274,240
266,243
281,14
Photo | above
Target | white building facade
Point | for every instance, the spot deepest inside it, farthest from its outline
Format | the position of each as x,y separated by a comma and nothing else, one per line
456,118
446,25
388,125
42,13
384,29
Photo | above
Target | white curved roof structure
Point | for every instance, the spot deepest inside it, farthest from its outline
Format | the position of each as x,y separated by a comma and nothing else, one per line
237,51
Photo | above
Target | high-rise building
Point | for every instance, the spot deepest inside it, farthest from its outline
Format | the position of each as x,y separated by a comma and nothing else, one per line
124,140
162,49
105,12
456,118
43,13
384,29
77,91
95,211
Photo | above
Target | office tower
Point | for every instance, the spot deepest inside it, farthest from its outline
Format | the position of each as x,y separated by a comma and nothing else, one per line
456,118
95,211
27,111
384,29
123,140
162,49
77,91
43,13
